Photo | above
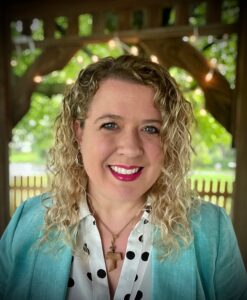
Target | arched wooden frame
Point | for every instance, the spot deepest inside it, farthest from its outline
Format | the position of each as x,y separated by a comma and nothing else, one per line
170,51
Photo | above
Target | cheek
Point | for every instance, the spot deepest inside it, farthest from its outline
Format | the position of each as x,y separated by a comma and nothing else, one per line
96,148
155,152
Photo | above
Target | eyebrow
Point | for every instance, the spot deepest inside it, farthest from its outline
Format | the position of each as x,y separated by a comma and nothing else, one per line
107,116
117,117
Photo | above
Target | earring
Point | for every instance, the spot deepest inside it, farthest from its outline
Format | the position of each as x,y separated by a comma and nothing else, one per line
78,159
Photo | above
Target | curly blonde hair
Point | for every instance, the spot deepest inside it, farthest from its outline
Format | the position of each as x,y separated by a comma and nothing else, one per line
170,195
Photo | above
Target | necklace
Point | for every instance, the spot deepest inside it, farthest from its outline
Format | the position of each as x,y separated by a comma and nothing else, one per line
112,257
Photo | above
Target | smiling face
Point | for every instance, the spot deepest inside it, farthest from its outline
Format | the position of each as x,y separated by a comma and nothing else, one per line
120,142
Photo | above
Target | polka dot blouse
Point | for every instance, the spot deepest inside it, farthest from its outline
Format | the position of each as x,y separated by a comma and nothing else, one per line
88,277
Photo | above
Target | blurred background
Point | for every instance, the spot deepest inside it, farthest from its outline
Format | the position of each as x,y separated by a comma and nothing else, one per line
213,159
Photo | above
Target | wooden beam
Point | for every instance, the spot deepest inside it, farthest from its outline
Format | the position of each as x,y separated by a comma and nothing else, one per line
135,36
51,59
218,94
49,28
124,19
40,9
213,11
240,191
5,126
182,11
152,17
99,22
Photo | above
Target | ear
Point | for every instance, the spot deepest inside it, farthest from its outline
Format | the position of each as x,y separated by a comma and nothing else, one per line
77,131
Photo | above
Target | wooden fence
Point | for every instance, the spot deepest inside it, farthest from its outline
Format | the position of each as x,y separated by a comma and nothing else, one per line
218,192
23,187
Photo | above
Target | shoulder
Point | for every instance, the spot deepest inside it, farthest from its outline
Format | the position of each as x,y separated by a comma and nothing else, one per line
36,203
33,209
28,219
209,216
217,252
213,233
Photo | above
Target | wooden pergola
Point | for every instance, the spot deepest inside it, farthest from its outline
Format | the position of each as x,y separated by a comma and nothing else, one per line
153,35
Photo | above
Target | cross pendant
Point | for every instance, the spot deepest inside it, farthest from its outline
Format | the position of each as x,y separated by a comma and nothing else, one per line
113,257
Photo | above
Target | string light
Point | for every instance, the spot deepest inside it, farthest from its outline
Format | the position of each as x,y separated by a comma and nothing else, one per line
79,59
13,63
38,79
212,65
195,35
154,58
203,112
69,81
198,91
112,43
209,75
189,78
116,42
213,62
185,38
95,58
134,50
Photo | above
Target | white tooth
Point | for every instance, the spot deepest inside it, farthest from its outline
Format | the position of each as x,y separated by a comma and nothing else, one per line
124,171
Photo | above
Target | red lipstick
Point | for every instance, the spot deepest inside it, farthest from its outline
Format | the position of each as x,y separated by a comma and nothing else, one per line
125,177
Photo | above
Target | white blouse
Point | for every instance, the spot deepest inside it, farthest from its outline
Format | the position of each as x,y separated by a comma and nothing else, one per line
88,277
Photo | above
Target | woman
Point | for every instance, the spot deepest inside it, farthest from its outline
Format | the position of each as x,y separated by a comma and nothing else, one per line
120,221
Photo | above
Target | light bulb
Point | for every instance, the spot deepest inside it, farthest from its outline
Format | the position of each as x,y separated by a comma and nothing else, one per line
37,79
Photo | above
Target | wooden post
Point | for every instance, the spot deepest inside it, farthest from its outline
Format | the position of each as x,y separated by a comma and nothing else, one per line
213,11
240,193
182,13
4,121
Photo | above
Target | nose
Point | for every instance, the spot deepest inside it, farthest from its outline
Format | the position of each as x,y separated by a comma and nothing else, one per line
130,144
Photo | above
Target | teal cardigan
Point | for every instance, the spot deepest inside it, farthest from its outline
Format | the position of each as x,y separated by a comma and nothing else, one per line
210,268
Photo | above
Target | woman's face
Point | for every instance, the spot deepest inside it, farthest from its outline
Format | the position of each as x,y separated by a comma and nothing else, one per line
120,142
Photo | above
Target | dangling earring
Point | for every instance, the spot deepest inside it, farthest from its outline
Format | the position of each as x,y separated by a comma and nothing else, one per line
78,158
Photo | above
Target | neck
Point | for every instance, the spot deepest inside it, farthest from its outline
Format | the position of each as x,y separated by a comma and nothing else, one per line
114,210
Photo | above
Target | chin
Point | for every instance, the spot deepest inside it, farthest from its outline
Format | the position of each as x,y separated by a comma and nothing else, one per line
126,194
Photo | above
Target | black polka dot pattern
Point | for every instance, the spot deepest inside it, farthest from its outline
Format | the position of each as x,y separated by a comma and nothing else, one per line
145,256
71,282
140,238
95,273
89,276
139,295
130,255
101,273
148,208
85,249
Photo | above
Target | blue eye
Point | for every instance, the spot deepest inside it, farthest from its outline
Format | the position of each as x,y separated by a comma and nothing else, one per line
109,126
151,130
